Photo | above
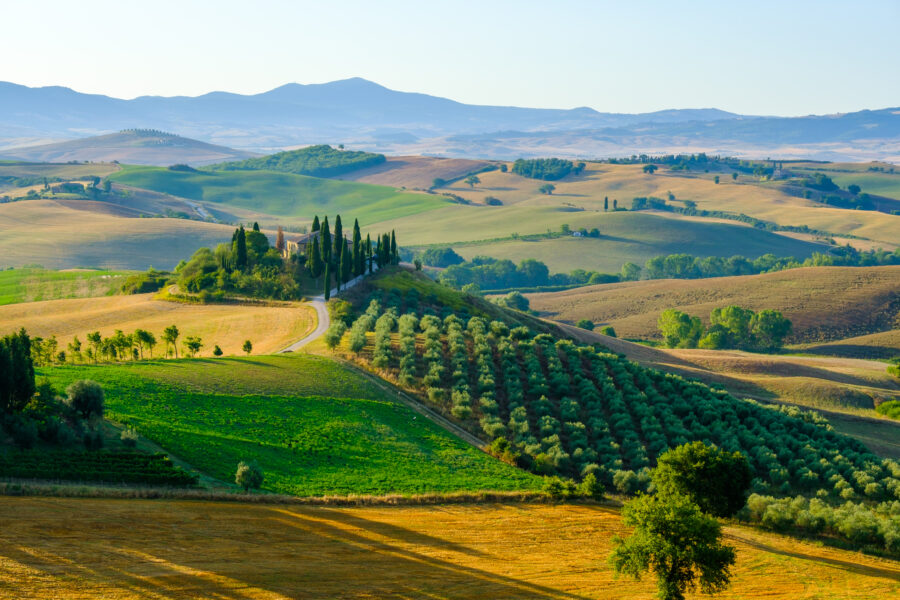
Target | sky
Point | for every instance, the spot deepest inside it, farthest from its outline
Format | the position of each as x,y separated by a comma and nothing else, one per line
767,58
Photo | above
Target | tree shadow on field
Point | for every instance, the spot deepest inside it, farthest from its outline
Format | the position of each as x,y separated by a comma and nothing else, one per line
887,572
166,550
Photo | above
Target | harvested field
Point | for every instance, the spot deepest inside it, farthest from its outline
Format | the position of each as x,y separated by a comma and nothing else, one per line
80,548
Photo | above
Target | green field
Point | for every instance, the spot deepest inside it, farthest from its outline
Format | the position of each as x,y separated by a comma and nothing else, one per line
637,236
34,285
314,426
282,194
873,182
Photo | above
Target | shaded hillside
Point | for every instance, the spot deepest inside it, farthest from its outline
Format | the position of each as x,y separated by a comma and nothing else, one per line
134,146
824,303
416,171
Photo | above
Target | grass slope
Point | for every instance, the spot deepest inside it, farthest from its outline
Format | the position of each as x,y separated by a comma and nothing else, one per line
638,236
33,285
270,328
824,303
81,233
282,194
314,427
135,549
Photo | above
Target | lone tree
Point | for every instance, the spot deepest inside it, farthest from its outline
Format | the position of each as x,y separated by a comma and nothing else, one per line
853,189
248,475
650,169
717,481
472,180
247,347
86,398
677,543
547,188
217,351
585,324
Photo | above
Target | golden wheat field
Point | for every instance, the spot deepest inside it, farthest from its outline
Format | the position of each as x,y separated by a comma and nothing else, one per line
269,328
123,549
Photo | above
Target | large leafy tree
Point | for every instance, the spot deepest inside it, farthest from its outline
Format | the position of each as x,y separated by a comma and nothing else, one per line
769,328
16,372
736,321
675,541
679,329
717,481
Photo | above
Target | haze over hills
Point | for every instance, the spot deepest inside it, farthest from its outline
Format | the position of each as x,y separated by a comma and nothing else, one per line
370,116
136,146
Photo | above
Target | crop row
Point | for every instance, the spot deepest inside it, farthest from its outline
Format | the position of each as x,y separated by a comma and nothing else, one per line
571,410
108,467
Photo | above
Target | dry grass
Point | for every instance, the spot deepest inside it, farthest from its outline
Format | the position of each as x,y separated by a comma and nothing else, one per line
824,303
120,549
270,328
885,344
84,233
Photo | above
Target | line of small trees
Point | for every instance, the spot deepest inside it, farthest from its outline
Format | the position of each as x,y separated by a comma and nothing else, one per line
118,347
730,327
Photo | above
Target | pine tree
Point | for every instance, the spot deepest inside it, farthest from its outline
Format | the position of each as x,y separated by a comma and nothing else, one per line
315,225
338,238
358,266
240,251
395,255
279,240
255,226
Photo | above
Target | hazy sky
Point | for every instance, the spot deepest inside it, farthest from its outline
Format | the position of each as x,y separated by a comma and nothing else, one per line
756,57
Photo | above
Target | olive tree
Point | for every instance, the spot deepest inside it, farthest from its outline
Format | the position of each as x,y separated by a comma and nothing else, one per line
248,475
86,398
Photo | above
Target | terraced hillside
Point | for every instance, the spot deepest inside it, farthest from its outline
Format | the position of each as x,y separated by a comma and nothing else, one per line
824,303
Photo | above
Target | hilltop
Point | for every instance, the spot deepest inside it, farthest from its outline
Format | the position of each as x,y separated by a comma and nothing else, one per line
134,146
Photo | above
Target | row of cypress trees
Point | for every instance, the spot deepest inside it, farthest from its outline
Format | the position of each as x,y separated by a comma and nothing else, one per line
331,255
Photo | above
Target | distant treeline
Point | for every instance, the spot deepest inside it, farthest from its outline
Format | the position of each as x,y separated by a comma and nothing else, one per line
315,161
489,273
548,169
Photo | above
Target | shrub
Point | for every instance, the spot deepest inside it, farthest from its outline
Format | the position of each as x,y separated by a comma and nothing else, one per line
85,397
248,476
608,330
23,431
585,324
129,438
590,487
92,439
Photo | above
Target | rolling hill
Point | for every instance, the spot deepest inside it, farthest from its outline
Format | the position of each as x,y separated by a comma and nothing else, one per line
133,146
269,328
284,195
824,303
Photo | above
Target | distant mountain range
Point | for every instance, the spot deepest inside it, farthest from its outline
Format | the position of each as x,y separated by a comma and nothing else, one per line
368,116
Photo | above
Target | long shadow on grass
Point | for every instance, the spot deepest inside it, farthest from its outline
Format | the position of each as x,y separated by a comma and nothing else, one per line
381,561
858,569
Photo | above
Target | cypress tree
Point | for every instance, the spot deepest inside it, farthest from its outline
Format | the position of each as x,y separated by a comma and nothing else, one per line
346,263
338,238
315,266
327,281
357,249
342,265
369,251
279,240
308,254
315,225
326,241
240,252
605,202
255,226
395,255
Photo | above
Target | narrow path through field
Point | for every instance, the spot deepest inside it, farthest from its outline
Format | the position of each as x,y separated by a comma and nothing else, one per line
324,321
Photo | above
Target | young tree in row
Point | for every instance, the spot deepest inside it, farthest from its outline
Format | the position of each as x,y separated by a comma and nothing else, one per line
170,337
